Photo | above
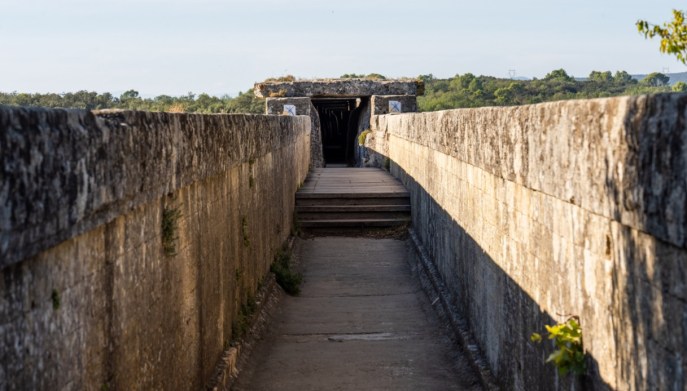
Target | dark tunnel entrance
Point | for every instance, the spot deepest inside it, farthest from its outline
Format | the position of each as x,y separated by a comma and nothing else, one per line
339,126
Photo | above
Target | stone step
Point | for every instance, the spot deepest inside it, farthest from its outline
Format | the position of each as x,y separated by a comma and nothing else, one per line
354,223
360,216
352,208
353,194
343,200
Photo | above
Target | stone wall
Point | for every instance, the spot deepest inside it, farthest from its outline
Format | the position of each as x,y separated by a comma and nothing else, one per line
340,88
304,106
102,287
380,103
536,213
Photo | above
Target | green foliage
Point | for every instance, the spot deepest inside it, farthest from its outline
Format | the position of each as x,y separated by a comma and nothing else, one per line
241,324
352,76
245,102
281,79
655,80
287,278
370,76
569,354
673,35
170,218
469,90
362,136
680,86
56,300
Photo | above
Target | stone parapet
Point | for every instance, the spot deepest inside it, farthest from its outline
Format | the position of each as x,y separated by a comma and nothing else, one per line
301,106
132,243
338,88
533,214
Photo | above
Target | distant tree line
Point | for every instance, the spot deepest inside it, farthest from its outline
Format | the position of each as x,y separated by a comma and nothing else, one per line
465,90
468,90
245,102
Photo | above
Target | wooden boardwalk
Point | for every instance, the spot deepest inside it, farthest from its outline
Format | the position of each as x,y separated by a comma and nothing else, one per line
352,198
351,181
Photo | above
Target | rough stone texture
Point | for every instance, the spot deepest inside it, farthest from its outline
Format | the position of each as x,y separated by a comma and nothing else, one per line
535,213
304,106
341,88
380,104
82,202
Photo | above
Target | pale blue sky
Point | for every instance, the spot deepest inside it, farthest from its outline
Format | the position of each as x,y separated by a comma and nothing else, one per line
176,46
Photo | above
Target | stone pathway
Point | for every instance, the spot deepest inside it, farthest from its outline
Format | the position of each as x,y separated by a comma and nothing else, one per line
360,323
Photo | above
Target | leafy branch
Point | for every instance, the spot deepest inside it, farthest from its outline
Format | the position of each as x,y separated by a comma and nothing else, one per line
673,35
569,354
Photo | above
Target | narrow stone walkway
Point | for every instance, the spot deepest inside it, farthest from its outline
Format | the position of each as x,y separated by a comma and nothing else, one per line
360,323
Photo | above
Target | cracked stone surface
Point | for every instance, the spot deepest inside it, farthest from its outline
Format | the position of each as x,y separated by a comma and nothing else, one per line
360,323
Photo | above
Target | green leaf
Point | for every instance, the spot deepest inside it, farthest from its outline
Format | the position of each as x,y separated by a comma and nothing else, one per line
535,337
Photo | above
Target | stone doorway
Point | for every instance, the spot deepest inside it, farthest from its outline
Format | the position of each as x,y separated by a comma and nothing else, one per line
339,111
339,127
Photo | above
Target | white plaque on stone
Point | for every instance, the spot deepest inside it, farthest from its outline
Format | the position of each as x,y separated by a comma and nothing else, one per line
394,106
289,110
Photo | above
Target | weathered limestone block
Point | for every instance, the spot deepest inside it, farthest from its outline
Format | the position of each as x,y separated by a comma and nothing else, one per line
340,88
623,158
536,213
276,106
89,298
380,104
303,106
66,171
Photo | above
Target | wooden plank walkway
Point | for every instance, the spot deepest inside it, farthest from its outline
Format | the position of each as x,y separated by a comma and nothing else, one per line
334,199
351,181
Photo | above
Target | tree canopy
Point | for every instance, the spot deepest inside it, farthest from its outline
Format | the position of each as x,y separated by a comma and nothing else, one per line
465,90
673,35
468,90
245,102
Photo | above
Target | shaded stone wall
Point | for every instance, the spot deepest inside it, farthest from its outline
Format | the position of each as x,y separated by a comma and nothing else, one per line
536,213
89,298
304,106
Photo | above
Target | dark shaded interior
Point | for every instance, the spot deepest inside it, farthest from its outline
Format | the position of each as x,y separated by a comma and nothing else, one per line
339,127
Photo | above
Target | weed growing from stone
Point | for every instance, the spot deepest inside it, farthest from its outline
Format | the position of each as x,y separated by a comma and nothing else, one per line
170,218
362,136
56,300
238,274
287,278
244,231
569,354
240,326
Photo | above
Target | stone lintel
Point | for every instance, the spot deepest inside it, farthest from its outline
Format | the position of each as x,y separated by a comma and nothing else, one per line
339,88
380,104
275,106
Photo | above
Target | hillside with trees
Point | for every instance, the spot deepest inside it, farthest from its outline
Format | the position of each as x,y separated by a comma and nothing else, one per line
468,90
245,102
465,90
